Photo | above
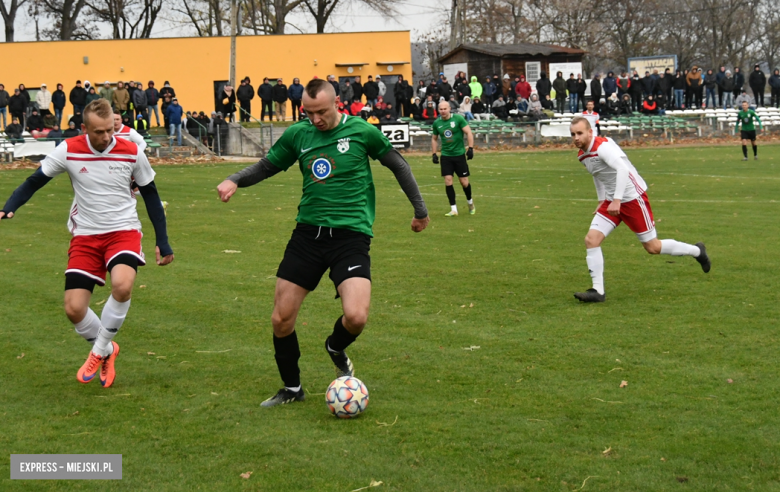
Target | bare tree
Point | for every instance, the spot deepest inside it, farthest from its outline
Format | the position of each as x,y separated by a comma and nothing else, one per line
267,16
128,18
207,17
321,10
9,17
65,15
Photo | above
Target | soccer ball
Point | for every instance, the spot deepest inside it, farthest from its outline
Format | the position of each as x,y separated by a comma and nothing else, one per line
347,397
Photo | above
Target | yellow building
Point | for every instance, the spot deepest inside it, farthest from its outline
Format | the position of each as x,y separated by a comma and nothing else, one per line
196,66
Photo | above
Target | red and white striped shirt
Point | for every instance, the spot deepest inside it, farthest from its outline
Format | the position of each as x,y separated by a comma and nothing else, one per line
593,119
103,201
613,174
130,134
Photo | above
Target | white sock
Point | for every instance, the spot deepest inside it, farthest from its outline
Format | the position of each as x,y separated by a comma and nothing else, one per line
595,260
471,202
676,248
114,313
296,389
89,326
454,208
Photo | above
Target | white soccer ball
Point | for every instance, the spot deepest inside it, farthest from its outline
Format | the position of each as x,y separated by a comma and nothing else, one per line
347,397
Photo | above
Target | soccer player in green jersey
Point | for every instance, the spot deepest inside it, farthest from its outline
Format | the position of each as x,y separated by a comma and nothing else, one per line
335,218
746,118
451,127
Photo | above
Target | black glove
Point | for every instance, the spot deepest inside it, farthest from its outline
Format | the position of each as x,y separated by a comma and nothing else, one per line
435,158
470,153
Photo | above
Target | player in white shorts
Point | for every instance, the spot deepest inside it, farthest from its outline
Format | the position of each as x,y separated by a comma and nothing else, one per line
622,198
105,228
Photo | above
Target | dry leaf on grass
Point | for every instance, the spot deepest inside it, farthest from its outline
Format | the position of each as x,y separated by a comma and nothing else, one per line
623,384
472,348
141,286
231,251
682,479
150,353
607,451
20,356
385,424
246,475
729,380
373,483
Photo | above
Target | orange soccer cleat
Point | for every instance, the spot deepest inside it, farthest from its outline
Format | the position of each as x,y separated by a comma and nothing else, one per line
90,368
107,373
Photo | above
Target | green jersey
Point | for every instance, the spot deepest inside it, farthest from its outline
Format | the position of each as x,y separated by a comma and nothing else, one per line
338,188
746,119
451,133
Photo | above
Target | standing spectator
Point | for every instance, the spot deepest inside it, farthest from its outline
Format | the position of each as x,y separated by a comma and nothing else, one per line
694,83
295,92
719,81
4,100
445,90
648,84
688,93
401,101
572,88
462,89
152,99
357,88
728,88
543,86
141,103
774,83
266,94
78,97
332,80
228,98
121,98
174,113
43,98
17,105
635,90
739,81
488,91
678,85
497,84
26,95
92,95
669,82
623,84
371,90
167,89
166,101
433,91
610,84
663,88
522,88
506,87
347,92
711,84
559,85
757,82
245,94
280,99
381,85
130,87
58,100
595,92
476,88
581,88
106,92
421,90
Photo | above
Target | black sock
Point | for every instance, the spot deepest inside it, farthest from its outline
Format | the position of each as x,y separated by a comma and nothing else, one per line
744,151
755,150
287,355
340,339
467,191
451,194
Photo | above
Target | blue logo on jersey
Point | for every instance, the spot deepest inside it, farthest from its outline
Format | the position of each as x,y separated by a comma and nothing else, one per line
448,133
321,168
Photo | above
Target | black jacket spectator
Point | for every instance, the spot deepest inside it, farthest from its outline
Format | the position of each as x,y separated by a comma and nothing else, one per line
371,90
72,130
357,89
664,83
463,90
610,84
4,98
167,89
17,104
625,105
739,81
77,120
774,79
445,90
34,122
595,89
279,93
14,132
245,92
78,96
152,96
432,90
543,85
477,107
678,83
648,84
711,80
55,135
636,88
58,99
757,82
571,85
265,92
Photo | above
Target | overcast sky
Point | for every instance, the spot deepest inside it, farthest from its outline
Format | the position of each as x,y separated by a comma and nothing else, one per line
414,15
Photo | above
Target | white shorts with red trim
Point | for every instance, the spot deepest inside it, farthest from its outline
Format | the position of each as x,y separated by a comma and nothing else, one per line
637,215
91,255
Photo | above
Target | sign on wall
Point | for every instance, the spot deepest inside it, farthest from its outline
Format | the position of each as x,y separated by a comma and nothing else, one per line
397,133
644,64
450,70
566,68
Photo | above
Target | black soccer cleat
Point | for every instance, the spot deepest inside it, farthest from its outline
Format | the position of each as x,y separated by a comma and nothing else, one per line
283,397
343,364
590,295
703,259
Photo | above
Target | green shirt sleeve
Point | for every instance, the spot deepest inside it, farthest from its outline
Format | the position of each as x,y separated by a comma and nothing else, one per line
462,122
757,118
377,142
284,153
435,128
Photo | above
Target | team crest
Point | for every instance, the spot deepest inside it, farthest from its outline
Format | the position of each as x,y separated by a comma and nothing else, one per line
452,124
343,145
447,133
321,167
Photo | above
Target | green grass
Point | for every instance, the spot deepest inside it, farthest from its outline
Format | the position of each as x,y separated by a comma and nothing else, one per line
533,408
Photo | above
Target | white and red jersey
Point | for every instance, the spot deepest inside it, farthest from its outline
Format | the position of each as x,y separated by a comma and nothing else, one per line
593,119
130,134
613,174
103,200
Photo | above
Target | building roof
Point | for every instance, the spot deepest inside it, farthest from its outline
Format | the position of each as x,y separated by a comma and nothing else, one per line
504,50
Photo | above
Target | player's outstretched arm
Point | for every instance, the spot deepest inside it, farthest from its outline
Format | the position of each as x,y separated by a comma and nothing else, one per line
248,176
470,139
403,173
434,142
23,193
164,252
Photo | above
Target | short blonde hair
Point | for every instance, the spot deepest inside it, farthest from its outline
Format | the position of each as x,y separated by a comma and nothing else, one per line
581,119
99,107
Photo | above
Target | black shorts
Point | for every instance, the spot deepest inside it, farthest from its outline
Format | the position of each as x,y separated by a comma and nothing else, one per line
748,134
312,250
454,166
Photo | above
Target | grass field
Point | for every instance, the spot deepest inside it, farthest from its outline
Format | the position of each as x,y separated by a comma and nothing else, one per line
489,374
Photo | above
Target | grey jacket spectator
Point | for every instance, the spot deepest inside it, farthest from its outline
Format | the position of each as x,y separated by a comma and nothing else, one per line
4,98
139,99
742,98
347,93
710,80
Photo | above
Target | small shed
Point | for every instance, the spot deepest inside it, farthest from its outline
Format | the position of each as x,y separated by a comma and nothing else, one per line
513,59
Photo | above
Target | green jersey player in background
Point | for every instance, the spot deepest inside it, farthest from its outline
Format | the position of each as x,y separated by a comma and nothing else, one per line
451,128
746,118
335,219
